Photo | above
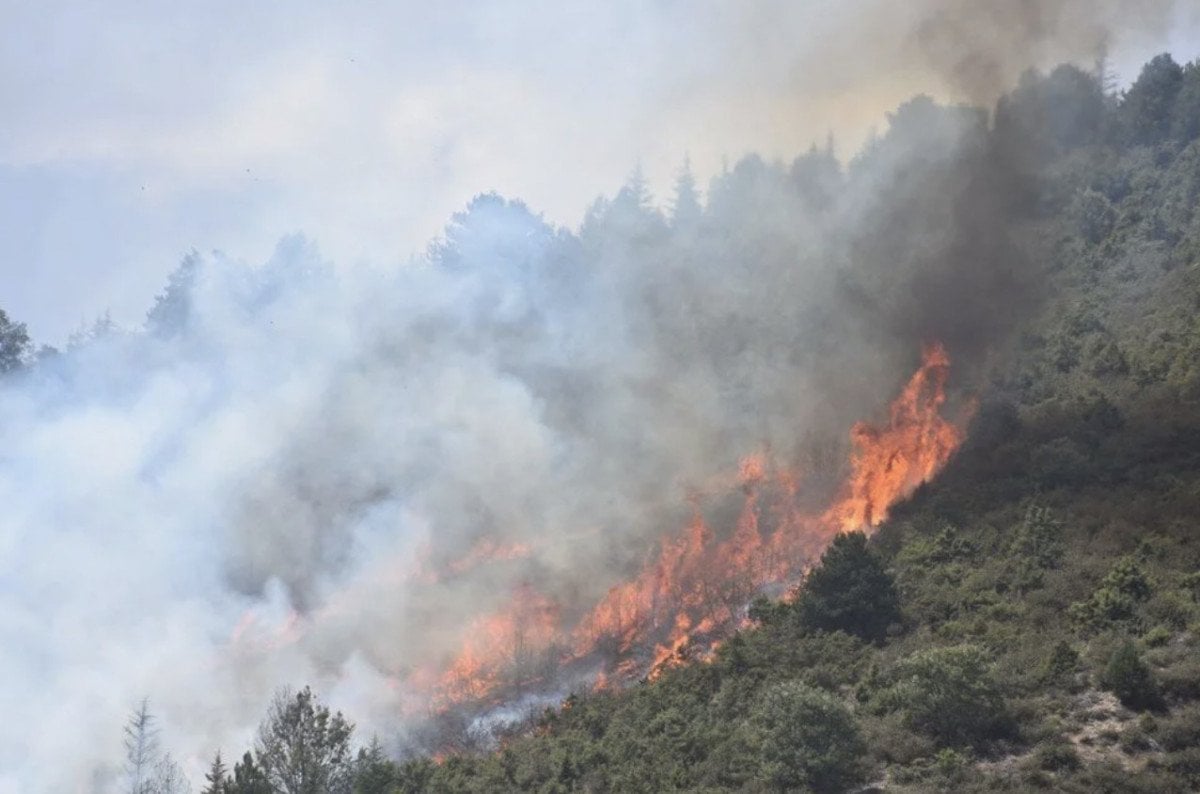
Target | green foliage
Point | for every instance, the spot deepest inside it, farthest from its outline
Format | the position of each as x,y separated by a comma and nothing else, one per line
945,547
1125,586
1128,578
216,777
415,776
1129,678
849,591
15,346
1156,637
950,694
1181,730
807,739
1047,116
1061,664
1057,756
1038,539
946,771
249,778
685,208
1095,215
304,749
1185,121
373,772
1149,106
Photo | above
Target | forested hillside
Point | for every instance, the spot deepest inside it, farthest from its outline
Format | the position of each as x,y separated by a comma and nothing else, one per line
1042,597
1030,619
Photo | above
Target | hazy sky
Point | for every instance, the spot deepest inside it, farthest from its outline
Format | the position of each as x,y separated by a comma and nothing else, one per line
134,132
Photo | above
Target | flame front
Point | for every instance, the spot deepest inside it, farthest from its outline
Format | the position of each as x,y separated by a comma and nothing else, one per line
695,590
890,462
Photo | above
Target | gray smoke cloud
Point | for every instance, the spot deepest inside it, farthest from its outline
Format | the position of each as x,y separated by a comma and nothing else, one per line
251,490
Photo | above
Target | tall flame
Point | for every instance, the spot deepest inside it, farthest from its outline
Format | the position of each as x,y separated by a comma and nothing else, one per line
695,590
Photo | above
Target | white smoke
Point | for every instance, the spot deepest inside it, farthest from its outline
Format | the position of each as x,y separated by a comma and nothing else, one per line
250,491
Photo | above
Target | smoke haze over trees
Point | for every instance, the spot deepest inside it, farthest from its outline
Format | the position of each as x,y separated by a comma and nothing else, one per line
252,488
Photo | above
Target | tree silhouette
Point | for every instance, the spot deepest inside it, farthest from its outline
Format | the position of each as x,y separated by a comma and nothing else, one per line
849,591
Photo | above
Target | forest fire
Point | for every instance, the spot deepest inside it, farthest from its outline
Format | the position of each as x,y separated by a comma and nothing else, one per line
696,589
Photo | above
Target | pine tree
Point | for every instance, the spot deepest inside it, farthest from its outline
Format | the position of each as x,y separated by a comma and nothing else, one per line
686,209
303,748
15,347
373,772
1103,74
141,749
849,591
216,777
249,778
147,770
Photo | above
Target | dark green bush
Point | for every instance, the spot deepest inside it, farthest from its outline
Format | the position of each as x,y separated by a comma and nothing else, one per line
1129,678
950,694
807,739
849,591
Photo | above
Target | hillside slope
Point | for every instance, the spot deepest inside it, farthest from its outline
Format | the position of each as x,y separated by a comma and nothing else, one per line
1048,582
1029,618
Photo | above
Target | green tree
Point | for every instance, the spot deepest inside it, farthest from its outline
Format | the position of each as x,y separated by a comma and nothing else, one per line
249,778
1039,538
1061,664
147,769
1148,106
849,591
373,772
1095,215
416,776
816,176
173,307
304,749
1130,679
685,208
1123,588
807,739
15,347
950,694
216,777
1185,122
141,749
1046,116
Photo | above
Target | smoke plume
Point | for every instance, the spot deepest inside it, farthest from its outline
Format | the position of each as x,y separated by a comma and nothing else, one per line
296,473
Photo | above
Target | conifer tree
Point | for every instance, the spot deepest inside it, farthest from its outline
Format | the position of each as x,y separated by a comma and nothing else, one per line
849,591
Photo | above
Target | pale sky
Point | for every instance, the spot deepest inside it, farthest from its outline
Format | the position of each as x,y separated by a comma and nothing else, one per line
134,132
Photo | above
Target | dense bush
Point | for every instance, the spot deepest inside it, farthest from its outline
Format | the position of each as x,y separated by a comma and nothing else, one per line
1128,677
849,591
807,739
951,694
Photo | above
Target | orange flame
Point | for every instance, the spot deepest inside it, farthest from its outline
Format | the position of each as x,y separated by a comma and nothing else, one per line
500,650
694,592
890,462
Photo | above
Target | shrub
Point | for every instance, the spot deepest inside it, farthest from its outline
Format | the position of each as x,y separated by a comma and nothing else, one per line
1057,756
1094,215
950,694
1181,730
1157,637
1038,538
1128,677
1125,586
1062,662
807,738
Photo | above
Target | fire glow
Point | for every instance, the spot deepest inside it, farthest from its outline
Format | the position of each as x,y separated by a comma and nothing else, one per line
694,591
